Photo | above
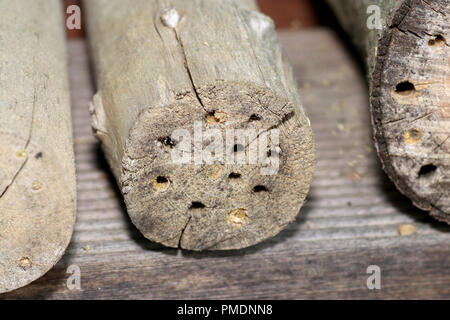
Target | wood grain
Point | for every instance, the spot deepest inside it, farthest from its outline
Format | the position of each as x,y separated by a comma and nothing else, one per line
349,221
164,68
408,63
37,169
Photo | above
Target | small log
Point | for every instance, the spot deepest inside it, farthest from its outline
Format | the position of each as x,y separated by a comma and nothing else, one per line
161,66
37,172
408,62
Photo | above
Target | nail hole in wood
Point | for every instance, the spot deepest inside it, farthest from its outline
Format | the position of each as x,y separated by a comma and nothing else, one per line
234,175
405,88
197,205
427,170
25,263
216,117
168,142
160,183
260,188
438,40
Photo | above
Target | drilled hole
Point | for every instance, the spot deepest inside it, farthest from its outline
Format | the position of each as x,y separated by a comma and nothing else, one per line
160,183
25,263
427,170
197,205
413,136
216,117
238,217
167,141
438,40
235,175
405,88
260,188
238,148
255,117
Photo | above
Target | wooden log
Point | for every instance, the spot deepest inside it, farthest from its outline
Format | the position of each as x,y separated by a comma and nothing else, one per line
37,172
408,61
163,66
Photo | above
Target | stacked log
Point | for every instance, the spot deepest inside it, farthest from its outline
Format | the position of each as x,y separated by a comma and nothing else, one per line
406,47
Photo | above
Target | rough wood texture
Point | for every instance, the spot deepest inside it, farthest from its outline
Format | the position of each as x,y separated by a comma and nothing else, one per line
163,66
408,61
350,220
37,170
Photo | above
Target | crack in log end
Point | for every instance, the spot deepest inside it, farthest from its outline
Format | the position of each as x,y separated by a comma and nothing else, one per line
180,240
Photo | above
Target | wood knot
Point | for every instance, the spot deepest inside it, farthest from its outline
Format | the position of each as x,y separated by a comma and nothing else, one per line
170,17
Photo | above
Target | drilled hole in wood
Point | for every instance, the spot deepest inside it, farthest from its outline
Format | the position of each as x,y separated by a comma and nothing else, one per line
168,142
161,183
427,170
25,263
405,88
438,40
238,148
413,136
216,117
234,175
260,188
197,205
238,217
255,117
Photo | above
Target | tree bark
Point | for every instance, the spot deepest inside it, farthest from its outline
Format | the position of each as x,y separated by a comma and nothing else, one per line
37,172
163,66
408,62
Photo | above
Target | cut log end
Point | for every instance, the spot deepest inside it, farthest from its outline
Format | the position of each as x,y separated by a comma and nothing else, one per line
411,104
223,203
36,222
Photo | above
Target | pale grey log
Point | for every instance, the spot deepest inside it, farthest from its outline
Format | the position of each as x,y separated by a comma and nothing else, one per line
161,66
37,173
408,62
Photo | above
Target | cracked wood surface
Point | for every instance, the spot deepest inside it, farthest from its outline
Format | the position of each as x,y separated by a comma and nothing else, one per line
37,170
165,66
408,63
350,219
